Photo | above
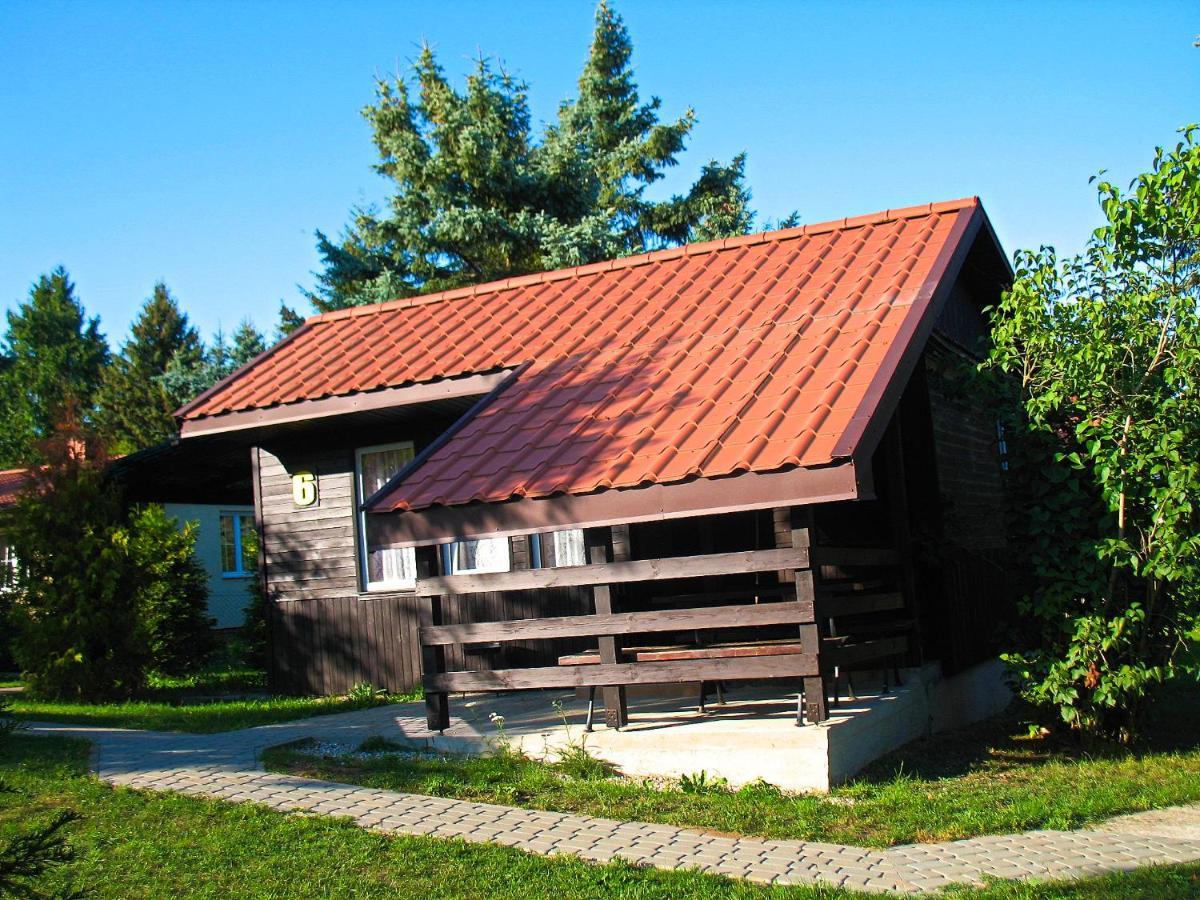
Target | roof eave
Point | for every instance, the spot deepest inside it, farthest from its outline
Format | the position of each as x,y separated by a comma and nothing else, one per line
328,407
845,480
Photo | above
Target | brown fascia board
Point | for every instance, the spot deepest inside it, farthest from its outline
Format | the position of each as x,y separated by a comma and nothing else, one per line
848,480
240,371
871,419
327,407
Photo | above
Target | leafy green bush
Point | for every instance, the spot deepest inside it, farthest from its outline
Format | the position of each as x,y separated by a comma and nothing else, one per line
100,596
78,628
255,635
173,593
1105,350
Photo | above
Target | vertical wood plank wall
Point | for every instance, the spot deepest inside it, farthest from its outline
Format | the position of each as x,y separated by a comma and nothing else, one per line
326,636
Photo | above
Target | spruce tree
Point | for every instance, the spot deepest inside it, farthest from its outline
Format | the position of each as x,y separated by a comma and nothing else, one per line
478,196
134,407
289,321
55,356
186,376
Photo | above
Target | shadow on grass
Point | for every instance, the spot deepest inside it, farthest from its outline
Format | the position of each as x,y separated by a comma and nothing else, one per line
1002,743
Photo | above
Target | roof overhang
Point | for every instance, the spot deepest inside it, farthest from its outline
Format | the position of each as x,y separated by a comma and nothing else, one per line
848,480
328,407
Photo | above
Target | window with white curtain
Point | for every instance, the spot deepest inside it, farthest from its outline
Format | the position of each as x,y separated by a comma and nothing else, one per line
559,548
383,568
483,555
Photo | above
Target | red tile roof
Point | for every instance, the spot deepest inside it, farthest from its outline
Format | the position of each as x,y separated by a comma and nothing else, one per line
749,354
12,482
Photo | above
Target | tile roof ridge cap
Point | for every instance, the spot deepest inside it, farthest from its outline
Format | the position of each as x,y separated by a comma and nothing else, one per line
648,257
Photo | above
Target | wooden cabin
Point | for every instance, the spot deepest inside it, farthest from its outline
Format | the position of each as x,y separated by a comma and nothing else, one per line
757,459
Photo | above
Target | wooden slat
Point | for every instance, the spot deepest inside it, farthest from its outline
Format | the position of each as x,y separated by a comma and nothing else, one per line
863,651
854,556
743,615
858,604
618,572
789,666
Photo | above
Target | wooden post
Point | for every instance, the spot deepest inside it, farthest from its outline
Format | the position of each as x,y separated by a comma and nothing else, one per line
433,662
616,708
815,707
901,526
433,659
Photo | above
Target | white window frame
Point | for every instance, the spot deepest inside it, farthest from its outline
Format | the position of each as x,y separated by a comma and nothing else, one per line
236,517
360,514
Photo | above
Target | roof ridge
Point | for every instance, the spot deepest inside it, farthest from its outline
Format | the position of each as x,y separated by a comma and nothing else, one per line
641,259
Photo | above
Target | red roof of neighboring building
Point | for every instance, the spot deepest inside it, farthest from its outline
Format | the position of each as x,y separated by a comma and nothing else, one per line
12,482
749,354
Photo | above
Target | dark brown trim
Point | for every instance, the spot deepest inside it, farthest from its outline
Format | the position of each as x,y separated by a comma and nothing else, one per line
444,438
703,496
426,392
794,665
619,623
241,370
866,426
616,572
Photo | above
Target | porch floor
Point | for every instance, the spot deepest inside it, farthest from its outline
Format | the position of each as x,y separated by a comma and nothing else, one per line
752,736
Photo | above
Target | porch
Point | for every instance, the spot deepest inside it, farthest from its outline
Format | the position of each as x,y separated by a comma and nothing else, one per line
751,736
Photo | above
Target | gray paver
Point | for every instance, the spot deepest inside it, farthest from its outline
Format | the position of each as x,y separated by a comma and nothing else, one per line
228,766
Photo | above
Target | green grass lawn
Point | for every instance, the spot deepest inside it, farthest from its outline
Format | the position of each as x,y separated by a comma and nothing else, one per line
984,780
133,844
222,697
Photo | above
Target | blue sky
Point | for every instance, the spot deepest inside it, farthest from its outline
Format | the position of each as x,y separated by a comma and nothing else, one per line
202,143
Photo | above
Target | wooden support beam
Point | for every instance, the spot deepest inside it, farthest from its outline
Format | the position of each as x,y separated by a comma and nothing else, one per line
901,519
815,705
616,704
616,624
617,571
433,664
794,665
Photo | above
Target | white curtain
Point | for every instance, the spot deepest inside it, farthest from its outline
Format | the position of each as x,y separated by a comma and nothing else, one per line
386,566
483,555
568,548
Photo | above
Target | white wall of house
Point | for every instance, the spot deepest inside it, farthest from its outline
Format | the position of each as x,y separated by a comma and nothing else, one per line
228,594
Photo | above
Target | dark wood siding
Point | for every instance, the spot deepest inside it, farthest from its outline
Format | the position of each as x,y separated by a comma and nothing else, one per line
327,635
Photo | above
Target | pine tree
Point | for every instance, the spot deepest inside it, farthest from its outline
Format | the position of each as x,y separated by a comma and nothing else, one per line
134,407
477,196
248,343
289,321
55,358
187,377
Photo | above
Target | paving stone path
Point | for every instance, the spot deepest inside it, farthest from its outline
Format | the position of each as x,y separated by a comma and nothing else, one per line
228,766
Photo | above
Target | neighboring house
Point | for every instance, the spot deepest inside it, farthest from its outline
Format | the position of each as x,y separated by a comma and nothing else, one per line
206,482
760,452
203,483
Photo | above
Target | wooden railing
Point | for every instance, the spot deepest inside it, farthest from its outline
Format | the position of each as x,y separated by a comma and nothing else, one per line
795,561
435,636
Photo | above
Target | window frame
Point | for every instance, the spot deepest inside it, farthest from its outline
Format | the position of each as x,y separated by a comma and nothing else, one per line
236,518
360,517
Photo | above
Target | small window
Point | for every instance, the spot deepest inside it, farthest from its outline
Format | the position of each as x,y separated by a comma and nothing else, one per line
559,548
382,568
239,547
483,555
8,566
